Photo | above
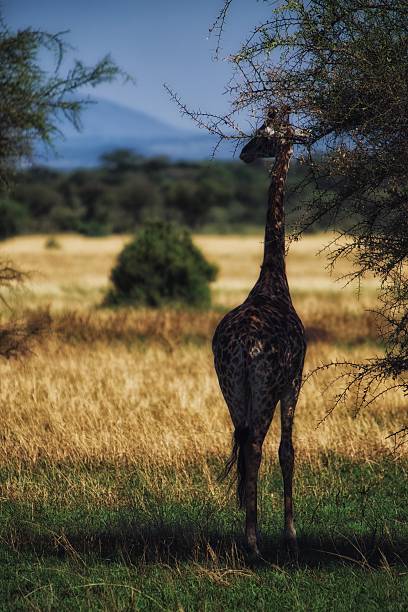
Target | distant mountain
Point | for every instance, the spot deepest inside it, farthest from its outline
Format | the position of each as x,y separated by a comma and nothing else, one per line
108,126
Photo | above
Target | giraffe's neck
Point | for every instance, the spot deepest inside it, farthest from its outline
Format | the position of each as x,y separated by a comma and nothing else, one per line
272,279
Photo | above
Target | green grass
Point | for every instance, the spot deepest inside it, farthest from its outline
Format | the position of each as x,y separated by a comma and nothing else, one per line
104,537
52,584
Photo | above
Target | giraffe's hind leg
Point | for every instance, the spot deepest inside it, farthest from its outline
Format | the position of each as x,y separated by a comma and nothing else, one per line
287,460
252,456
261,421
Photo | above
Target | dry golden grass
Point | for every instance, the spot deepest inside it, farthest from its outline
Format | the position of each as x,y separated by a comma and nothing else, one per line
139,386
77,274
149,403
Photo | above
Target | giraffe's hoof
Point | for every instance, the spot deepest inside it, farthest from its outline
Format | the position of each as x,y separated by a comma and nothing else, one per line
254,551
291,541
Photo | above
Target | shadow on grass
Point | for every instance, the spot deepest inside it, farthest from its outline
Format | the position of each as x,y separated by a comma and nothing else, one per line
170,327
171,543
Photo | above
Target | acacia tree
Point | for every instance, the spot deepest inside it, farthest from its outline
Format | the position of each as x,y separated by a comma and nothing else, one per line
32,101
341,66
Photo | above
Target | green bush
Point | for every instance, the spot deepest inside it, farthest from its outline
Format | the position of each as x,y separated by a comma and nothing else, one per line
13,218
162,266
52,243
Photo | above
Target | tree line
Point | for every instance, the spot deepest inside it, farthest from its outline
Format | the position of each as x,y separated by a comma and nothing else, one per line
126,190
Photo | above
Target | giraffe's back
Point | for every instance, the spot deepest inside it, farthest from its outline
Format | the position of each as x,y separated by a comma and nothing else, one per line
261,345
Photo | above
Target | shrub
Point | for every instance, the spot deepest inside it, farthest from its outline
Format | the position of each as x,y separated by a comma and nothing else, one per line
52,243
162,266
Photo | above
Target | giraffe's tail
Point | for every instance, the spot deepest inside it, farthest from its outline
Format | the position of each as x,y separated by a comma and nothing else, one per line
237,458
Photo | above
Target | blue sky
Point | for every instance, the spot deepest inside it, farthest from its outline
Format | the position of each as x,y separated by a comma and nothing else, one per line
155,41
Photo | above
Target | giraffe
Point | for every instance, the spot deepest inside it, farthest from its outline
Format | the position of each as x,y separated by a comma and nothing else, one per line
259,347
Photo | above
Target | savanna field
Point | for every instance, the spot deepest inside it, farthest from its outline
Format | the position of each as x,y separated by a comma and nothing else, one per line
114,432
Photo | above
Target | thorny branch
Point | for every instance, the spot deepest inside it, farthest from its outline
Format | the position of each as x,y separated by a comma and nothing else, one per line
341,66
18,336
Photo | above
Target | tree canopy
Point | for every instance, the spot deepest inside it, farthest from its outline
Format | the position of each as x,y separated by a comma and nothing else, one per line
126,190
341,66
34,98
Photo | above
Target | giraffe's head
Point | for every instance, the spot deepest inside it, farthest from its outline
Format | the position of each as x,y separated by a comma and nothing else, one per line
274,132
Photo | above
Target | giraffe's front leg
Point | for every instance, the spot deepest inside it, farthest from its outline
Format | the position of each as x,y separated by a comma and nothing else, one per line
253,455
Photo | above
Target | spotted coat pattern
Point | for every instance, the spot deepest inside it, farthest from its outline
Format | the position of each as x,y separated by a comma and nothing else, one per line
259,349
